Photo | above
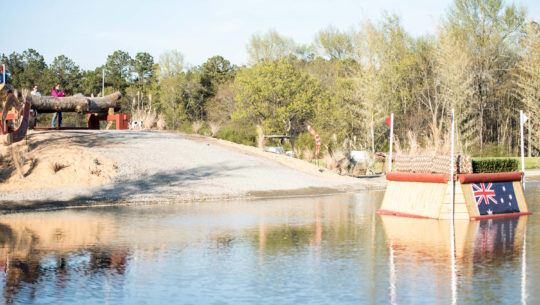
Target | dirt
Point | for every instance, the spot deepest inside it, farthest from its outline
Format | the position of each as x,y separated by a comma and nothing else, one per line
44,161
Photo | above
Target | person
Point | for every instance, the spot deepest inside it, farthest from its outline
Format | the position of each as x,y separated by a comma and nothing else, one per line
33,112
57,115
35,91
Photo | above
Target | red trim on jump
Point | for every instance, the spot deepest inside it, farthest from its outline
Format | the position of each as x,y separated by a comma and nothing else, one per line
11,116
473,218
416,177
393,213
490,177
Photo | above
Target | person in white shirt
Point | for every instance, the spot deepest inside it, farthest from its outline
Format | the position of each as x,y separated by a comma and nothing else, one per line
36,93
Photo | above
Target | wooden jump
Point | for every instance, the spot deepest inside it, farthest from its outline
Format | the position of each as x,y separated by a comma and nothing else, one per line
476,196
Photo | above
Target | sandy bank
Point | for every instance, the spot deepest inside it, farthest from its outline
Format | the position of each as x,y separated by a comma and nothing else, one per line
96,167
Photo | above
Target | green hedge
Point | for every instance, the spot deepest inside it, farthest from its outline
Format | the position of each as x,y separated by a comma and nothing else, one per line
495,165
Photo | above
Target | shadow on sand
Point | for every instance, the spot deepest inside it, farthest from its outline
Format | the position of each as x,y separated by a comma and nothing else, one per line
147,186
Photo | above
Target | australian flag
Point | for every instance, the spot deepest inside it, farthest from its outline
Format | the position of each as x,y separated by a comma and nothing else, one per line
495,198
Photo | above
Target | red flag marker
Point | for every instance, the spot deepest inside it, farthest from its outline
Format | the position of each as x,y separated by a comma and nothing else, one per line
389,121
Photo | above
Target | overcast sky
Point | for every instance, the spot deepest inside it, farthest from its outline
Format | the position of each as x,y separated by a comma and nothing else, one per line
88,31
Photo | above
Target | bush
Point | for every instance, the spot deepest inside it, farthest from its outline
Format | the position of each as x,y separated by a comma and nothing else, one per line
305,141
495,165
238,134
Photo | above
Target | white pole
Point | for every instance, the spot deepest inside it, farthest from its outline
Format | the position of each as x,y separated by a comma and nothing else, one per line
453,257
524,269
103,83
372,138
391,138
392,276
452,164
522,148
452,229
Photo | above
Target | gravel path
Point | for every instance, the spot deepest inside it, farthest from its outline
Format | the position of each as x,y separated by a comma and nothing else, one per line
160,166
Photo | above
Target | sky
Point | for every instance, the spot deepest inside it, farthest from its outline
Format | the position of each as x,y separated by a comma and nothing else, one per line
88,31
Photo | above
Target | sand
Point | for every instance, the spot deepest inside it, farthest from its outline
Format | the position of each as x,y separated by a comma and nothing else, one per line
87,167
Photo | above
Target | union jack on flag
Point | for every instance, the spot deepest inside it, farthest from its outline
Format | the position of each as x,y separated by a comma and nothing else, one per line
495,197
483,193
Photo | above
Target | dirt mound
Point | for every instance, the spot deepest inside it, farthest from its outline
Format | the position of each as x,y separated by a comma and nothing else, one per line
43,162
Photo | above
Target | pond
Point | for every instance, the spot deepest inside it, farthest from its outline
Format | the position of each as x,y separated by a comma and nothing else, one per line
314,250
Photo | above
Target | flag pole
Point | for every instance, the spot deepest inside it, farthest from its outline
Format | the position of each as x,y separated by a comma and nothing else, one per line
524,269
103,83
452,164
391,138
392,276
452,229
521,122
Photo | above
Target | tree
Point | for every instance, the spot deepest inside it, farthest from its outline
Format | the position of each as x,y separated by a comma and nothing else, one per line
25,70
181,98
215,72
487,29
118,70
334,44
220,108
65,72
91,81
143,67
396,63
269,47
14,67
170,100
171,63
527,78
278,97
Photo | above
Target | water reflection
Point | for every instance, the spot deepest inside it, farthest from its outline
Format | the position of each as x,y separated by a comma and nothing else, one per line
33,247
305,250
421,254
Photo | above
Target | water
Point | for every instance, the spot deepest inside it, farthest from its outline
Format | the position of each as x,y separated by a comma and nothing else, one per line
323,250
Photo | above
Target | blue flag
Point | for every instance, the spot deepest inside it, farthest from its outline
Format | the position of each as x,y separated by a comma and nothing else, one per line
495,198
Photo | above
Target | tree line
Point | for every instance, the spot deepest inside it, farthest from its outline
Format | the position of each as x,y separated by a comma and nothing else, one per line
483,61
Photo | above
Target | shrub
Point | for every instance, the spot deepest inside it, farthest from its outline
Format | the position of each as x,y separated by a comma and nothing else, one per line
495,165
238,134
305,141
196,126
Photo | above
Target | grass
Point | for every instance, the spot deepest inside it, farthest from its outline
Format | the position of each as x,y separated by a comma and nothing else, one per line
530,163
55,167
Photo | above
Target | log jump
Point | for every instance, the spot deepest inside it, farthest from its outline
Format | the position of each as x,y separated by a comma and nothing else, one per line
96,108
77,103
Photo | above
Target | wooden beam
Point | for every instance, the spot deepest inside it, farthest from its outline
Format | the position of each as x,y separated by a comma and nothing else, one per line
77,103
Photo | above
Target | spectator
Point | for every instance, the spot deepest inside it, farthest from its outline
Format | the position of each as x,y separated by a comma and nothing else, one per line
33,112
57,115
35,91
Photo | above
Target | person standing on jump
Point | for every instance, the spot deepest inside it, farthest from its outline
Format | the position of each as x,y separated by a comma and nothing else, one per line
57,115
